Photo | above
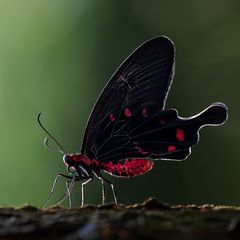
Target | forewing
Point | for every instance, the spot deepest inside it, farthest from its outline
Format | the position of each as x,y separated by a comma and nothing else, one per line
145,76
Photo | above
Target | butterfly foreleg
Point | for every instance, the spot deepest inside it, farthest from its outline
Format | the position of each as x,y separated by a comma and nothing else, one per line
69,187
66,193
54,186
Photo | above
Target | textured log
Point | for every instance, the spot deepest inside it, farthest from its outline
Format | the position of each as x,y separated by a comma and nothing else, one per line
150,220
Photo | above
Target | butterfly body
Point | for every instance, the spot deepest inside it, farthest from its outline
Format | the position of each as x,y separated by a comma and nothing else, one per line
86,168
130,128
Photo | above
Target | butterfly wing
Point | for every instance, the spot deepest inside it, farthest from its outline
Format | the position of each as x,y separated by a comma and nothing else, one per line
145,76
129,124
151,132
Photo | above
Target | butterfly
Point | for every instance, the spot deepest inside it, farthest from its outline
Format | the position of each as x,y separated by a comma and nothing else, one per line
129,127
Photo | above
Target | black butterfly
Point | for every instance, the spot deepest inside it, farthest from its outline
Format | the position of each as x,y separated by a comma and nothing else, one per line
129,125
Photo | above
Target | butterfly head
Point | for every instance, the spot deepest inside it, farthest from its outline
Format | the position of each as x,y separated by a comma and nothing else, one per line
67,159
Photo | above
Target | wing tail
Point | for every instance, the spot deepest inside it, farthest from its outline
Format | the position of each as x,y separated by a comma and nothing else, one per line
215,115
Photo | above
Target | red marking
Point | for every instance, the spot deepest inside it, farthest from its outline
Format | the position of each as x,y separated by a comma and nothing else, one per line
127,112
82,159
95,163
145,112
86,160
128,167
141,150
76,158
171,148
112,118
180,135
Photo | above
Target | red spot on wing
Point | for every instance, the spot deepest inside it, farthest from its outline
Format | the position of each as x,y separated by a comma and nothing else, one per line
145,112
180,135
127,167
112,118
171,148
127,112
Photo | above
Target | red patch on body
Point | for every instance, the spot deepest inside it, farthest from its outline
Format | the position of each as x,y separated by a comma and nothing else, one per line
128,167
95,163
127,112
145,112
171,148
112,118
180,135
82,158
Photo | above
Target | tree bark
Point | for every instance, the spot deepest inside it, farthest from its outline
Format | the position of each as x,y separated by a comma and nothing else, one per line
149,220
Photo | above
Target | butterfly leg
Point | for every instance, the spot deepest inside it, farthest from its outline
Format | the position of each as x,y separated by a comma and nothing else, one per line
104,180
53,187
69,187
103,187
83,184
103,192
64,195
113,190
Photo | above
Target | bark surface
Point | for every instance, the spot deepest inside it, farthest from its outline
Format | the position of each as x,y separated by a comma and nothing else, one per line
149,220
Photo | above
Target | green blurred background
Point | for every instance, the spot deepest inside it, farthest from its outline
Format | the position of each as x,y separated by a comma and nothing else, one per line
56,56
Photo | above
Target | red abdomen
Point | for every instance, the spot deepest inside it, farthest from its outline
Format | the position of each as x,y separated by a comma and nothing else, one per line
127,167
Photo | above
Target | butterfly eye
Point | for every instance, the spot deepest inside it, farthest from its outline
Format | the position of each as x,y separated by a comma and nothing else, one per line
71,169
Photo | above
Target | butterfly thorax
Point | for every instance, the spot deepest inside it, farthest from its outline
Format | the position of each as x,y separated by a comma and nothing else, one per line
83,165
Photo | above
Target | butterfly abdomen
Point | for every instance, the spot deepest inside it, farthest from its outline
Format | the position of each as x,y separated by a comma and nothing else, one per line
127,167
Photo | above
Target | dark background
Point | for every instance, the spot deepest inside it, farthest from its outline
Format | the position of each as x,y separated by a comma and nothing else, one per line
56,56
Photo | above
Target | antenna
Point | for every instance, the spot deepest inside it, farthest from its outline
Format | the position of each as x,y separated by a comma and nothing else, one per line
50,135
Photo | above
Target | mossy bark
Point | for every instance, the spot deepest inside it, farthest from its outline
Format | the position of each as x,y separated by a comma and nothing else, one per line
149,220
